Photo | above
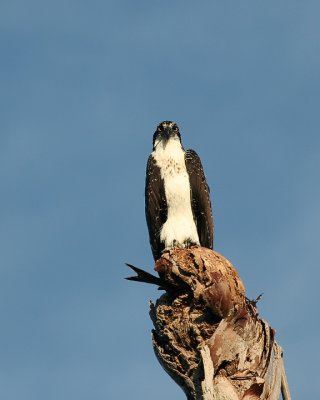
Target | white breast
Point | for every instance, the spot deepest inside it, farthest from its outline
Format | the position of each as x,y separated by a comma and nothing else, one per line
179,230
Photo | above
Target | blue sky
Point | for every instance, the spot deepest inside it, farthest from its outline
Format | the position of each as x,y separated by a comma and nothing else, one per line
83,86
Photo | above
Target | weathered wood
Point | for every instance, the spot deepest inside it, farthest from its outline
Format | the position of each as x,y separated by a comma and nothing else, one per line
208,392
207,335
284,383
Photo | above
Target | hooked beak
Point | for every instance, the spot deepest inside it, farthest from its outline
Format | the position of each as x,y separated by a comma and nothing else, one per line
166,134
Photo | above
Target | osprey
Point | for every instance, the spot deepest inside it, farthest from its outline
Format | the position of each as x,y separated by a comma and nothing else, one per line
177,198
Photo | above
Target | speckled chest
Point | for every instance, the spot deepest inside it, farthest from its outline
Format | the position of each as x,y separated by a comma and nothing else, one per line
170,160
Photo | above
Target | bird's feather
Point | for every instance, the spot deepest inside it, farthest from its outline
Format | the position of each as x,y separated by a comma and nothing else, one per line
155,206
200,199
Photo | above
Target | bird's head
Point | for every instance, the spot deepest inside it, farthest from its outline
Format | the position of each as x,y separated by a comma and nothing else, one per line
166,131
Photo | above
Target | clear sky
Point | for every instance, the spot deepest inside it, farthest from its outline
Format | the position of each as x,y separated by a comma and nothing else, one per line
83,85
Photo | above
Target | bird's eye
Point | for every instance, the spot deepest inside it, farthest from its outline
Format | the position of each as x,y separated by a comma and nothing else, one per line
175,128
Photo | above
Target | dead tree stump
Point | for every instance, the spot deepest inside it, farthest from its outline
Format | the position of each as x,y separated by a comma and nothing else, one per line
207,335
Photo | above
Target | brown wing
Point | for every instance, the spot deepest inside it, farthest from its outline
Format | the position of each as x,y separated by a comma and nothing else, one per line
155,206
200,199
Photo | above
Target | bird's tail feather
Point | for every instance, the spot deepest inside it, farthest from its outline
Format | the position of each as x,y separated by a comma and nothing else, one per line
144,276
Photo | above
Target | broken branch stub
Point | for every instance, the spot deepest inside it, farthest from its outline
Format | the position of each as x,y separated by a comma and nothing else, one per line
208,336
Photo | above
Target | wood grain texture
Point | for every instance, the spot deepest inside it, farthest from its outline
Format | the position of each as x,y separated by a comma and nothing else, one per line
207,335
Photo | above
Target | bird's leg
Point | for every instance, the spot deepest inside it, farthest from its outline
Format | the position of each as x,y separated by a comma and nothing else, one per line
188,244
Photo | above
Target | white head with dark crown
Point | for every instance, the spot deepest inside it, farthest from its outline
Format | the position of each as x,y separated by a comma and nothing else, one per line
166,131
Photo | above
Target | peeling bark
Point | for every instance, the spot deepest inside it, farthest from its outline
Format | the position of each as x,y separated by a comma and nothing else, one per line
207,335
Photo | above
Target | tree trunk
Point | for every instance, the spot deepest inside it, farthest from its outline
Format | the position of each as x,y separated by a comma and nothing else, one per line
207,335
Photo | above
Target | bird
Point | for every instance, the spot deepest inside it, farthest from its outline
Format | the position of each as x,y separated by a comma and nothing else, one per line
177,196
